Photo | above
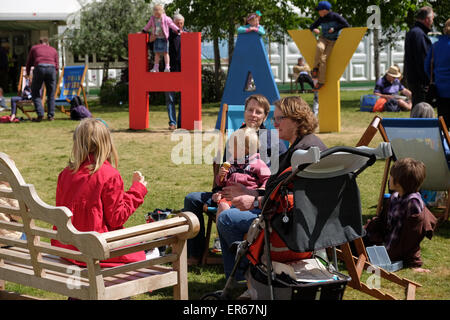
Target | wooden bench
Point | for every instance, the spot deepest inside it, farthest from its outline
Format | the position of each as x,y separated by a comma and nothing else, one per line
34,262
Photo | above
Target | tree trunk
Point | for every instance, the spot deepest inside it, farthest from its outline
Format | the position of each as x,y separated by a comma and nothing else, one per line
217,67
105,71
230,46
376,52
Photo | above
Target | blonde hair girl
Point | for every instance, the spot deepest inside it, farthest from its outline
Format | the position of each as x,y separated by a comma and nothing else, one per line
92,188
92,137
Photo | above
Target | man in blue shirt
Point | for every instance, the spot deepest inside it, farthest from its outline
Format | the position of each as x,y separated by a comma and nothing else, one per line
389,87
331,24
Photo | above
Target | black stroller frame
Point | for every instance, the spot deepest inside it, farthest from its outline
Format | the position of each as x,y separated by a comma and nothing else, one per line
313,155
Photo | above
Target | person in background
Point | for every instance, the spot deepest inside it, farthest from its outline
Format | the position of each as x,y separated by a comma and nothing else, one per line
389,87
3,105
175,66
331,24
159,25
44,58
422,110
26,95
252,25
417,44
303,73
440,53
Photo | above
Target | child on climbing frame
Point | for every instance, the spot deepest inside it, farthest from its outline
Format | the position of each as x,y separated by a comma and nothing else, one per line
252,25
331,24
159,25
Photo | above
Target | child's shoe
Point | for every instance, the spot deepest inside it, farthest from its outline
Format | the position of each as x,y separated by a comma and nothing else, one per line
155,68
167,69
318,86
216,248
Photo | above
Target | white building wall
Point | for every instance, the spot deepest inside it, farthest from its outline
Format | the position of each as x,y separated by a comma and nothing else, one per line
361,67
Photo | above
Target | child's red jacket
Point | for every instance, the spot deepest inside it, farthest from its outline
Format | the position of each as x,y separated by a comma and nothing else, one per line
99,203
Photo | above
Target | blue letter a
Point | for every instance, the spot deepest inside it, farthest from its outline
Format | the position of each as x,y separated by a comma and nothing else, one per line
249,57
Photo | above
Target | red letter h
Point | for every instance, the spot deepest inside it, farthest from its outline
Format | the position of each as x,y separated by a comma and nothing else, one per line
188,81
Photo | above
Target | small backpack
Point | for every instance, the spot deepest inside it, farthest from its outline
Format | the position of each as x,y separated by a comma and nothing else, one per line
77,110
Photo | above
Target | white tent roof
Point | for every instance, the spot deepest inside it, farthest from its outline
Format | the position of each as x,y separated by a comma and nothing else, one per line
15,10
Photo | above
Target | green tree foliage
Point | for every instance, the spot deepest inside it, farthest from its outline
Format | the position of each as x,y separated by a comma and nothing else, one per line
102,27
219,19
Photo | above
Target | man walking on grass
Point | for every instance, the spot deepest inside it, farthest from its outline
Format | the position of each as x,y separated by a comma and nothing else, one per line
44,58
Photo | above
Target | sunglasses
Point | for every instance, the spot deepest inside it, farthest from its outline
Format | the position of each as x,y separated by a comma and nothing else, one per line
277,119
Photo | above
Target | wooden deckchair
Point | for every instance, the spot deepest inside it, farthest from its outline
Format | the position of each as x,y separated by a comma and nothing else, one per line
356,264
424,139
70,84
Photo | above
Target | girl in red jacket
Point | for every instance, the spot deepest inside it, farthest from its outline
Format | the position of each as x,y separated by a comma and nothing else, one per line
92,188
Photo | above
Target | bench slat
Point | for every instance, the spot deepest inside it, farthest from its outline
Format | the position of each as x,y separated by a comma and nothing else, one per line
44,232
10,210
6,193
130,288
14,256
61,252
148,237
13,226
143,229
142,246
12,242
51,282
137,265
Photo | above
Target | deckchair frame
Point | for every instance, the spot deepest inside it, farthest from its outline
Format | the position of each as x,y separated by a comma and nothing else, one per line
381,129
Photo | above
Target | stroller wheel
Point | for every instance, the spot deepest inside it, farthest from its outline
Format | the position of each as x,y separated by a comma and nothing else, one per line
218,295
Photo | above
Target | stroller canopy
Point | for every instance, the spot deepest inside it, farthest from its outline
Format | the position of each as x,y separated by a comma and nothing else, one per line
327,207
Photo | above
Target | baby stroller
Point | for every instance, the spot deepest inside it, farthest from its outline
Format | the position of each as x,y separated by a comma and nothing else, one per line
312,206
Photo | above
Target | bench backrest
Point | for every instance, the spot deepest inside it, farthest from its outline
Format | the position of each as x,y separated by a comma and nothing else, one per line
35,262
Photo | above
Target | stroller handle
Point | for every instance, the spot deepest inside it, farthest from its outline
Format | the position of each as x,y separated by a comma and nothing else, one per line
337,160
383,151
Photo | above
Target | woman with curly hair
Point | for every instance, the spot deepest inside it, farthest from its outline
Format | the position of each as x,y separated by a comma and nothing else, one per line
295,123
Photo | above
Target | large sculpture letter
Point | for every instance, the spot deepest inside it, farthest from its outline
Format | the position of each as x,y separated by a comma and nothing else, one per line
188,81
249,57
329,94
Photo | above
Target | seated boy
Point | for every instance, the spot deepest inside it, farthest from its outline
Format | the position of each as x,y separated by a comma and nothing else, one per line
331,24
406,220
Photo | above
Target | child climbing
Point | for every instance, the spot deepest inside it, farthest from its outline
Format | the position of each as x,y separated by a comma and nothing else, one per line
331,24
252,25
159,25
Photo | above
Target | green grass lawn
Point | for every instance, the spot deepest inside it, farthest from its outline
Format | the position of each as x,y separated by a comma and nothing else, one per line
41,151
